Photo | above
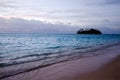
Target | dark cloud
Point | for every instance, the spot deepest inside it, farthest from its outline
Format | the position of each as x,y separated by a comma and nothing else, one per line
112,2
102,2
18,25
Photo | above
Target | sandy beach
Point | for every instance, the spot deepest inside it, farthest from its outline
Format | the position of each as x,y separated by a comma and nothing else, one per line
99,67
110,71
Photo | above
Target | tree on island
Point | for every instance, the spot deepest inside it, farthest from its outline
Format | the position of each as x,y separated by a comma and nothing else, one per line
89,31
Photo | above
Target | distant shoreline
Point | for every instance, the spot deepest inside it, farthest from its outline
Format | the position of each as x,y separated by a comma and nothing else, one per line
89,31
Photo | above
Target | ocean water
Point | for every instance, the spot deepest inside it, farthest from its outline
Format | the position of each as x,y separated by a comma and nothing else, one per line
23,48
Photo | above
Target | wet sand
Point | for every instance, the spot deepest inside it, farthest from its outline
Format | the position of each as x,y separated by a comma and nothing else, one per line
100,67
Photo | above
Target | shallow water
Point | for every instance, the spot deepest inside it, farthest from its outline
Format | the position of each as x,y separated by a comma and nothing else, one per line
21,48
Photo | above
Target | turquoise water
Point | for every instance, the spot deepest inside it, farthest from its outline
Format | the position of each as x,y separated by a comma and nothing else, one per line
20,48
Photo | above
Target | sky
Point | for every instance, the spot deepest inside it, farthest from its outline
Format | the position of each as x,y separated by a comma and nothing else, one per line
59,16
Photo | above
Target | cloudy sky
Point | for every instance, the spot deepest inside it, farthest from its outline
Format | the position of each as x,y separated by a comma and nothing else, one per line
59,16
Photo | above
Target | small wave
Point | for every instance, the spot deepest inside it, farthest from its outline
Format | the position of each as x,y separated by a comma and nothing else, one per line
55,47
83,47
97,48
31,55
58,60
1,57
33,58
1,53
38,57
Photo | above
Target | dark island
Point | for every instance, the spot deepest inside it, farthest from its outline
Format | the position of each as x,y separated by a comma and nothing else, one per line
89,31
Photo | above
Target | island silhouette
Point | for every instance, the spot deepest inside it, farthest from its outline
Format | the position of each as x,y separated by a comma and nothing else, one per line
89,31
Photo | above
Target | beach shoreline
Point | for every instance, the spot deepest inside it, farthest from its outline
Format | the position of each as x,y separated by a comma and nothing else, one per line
69,70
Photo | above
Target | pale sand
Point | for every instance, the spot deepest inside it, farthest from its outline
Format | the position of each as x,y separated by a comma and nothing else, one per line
87,68
110,71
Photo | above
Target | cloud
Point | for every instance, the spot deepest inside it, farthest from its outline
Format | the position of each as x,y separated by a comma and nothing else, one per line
101,2
112,1
103,13
19,25
7,4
